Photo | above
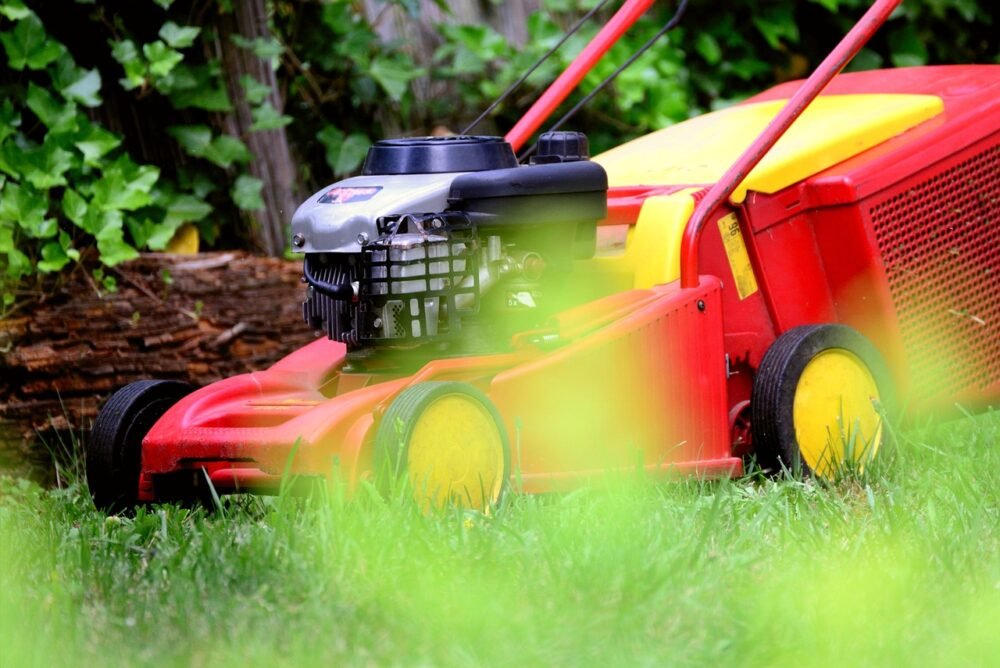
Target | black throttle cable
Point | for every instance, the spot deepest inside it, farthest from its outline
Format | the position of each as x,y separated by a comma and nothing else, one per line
524,77
670,25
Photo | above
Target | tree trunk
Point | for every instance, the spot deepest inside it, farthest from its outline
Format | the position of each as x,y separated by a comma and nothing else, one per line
272,159
196,319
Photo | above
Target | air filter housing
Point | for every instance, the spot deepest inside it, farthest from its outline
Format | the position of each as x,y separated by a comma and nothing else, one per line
438,155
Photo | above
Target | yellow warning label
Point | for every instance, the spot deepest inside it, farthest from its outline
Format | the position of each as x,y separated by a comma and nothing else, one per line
736,251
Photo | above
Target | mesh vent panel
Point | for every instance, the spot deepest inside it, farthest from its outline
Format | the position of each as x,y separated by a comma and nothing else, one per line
940,242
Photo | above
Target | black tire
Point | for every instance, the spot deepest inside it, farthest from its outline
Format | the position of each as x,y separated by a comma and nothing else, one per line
394,433
774,390
114,449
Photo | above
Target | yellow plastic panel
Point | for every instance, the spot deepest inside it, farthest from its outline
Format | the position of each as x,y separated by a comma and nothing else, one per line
652,251
185,241
654,248
698,151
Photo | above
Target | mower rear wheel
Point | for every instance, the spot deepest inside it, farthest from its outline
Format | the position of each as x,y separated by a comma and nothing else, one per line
445,441
114,450
818,401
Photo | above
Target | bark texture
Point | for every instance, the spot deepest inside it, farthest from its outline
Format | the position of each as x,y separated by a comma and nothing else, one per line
272,158
194,318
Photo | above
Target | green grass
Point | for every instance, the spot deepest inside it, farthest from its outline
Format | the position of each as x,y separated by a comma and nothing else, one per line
899,566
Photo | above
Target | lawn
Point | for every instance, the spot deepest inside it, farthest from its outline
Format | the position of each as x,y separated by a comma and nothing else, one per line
899,566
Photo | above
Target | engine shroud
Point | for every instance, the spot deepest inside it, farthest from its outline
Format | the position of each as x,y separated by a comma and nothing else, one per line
411,285
435,231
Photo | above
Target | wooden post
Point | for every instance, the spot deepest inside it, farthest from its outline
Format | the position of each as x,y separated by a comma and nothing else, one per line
272,159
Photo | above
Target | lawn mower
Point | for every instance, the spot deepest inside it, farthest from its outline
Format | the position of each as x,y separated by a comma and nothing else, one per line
773,281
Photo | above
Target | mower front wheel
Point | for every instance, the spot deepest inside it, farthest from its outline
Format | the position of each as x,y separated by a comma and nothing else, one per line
819,400
445,443
114,449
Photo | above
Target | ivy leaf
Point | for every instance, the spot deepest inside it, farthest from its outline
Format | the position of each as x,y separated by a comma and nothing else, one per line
209,99
95,142
28,209
75,208
262,47
85,90
198,86
141,231
178,37
246,193
394,76
226,150
54,258
352,153
266,117
708,48
254,91
777,23
197,182
10,119
14,10
18,265
830,5
27,45
194,139
197,140
162,59
180,209
185,209
6,236
58,117
125,186
127,55
332,139
110,237
160,235
165,4
67,245
43,166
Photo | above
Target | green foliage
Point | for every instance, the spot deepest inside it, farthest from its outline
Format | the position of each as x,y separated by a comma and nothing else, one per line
346,87
65,183
68,184
246,193
221,150
73,189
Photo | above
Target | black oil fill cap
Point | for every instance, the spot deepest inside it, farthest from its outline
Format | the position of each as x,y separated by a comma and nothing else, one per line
438,155
561,146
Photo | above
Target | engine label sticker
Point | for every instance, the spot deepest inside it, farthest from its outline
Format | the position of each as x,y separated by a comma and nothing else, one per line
349,195
736,252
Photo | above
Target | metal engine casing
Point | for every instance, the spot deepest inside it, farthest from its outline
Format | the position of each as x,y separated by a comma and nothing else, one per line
344,226
370,284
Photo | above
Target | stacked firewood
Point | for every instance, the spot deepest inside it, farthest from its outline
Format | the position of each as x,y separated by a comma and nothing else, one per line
194,318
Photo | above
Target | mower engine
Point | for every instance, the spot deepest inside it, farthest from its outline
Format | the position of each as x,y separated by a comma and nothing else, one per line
444,234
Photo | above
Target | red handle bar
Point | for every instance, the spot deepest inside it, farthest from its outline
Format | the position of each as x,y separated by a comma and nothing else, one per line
543,107
858,36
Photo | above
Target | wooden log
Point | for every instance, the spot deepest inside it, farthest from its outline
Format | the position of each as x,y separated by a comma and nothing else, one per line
195,319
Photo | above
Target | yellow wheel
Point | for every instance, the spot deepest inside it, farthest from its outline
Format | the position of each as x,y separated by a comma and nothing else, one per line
819,398
446,442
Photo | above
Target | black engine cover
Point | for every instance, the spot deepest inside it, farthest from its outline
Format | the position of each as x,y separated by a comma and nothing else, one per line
438,155
553,208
